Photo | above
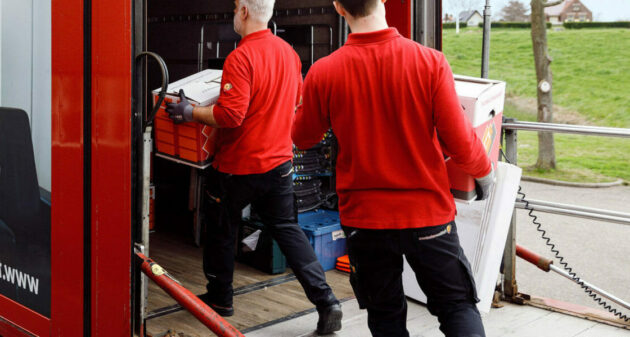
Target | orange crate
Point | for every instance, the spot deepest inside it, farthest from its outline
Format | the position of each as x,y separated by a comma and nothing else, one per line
191,142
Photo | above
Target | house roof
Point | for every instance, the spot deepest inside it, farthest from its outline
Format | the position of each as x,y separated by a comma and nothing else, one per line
557,9
466,15
560,8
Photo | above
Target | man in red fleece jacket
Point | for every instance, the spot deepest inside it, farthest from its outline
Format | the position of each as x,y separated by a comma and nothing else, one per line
393,107
252,165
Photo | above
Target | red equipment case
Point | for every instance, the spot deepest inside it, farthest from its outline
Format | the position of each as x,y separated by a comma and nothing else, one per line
483,101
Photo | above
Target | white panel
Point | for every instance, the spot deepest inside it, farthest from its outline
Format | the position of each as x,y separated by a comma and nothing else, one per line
17,22
482,227
41,95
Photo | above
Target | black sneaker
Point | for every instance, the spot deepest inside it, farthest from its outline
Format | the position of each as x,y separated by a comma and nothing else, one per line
225,311
329,319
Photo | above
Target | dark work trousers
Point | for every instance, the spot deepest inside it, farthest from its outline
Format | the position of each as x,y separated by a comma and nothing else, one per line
271,195
436,257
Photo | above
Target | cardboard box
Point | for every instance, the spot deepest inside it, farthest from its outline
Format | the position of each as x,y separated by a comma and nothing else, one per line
189,143
483,102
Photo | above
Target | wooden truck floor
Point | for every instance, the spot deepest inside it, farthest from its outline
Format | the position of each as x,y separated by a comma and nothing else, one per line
259,298
275,305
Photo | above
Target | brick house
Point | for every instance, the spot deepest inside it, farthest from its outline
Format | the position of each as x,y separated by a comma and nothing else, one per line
568,11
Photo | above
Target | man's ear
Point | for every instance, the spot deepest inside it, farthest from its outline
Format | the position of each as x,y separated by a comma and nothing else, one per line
244,13
339,8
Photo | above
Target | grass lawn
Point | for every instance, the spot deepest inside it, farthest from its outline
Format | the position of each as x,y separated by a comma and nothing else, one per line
591,70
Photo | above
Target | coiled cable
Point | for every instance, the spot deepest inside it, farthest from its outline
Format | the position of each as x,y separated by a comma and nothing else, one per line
543,233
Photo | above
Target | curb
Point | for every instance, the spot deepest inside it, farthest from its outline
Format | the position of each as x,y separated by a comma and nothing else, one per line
618,182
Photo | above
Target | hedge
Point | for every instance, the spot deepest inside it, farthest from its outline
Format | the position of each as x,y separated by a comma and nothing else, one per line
512,25
580,25
452,25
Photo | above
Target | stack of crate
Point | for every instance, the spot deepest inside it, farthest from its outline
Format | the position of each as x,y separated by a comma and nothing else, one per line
316,200
314,182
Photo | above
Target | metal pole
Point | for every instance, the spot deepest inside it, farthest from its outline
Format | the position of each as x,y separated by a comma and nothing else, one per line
577,208
330,46
485,57
201,48
510,288
575,213
600,291
146,210
312,45
546,265
146,185
274,27
340,32
566,128
186,299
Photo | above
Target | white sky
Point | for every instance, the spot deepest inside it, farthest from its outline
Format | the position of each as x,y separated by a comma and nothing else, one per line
603,10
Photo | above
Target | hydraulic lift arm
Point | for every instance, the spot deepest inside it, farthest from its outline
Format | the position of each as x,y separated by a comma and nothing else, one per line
186,299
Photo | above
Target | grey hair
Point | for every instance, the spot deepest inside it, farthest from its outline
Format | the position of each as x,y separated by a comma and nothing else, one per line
260,10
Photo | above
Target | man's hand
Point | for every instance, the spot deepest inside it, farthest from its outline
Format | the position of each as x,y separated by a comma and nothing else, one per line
484,185
180,112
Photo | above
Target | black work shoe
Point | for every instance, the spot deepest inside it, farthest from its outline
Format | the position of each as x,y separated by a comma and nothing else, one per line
329,319
225,311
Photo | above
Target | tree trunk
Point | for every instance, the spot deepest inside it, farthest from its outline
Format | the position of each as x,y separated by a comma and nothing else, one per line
546,148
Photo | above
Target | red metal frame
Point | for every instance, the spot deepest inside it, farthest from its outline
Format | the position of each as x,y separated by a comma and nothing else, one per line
67,187
111,167
67,169
399,15
18,320
111,179
9,329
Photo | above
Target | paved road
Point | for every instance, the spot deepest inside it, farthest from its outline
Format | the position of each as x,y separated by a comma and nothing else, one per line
598,251
510,321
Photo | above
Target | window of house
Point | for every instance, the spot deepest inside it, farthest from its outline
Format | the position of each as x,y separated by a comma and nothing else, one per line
576,8
582,17
570,17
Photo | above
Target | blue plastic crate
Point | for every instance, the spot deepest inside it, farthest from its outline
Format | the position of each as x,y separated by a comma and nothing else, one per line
323,230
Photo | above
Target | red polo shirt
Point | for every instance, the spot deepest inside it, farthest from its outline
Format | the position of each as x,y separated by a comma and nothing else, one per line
387,98
260,86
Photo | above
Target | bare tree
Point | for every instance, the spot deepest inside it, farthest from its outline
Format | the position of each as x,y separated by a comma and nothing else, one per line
546,147
514,11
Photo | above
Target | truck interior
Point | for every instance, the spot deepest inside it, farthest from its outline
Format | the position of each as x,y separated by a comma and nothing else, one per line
195,35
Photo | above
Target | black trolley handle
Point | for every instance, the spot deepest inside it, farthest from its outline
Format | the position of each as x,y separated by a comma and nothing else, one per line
164,71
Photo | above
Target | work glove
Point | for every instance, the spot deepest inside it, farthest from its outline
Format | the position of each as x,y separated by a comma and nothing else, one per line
484,185
180,112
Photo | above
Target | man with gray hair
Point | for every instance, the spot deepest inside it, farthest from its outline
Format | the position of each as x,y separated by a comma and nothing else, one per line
261,88
259,10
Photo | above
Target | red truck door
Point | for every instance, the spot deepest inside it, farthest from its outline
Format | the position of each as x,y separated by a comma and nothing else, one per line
83,284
